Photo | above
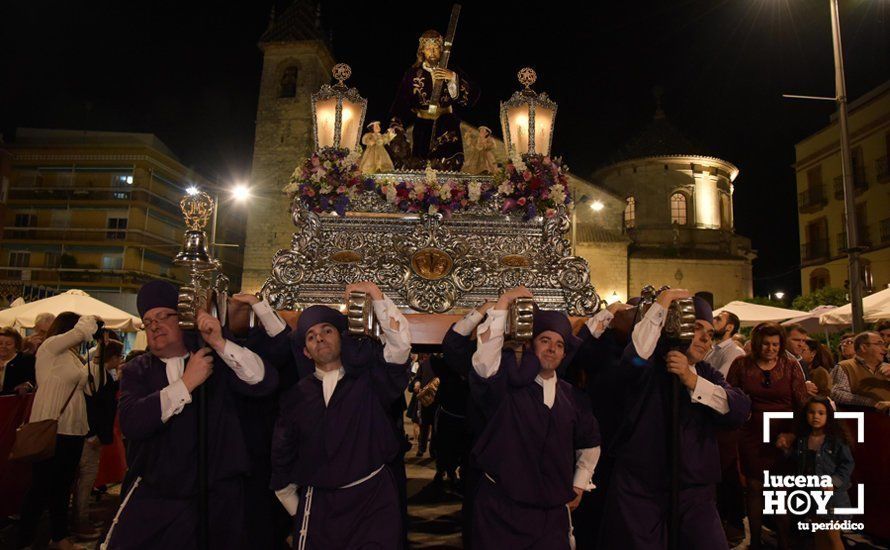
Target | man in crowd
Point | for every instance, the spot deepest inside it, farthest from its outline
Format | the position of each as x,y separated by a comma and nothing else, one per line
846,349
41,327
334,437
159,419
725,350
884,330
864,380
636,514
730,497
540,446
797,345
16,368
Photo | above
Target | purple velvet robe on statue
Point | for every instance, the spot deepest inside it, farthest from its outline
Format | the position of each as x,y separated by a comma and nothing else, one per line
637,513
162,511
329,446
527,454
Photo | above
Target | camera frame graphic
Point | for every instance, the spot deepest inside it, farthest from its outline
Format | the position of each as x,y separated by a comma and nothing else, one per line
860,438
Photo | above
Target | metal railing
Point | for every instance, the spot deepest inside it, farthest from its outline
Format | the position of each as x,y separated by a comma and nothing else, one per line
812,199
94,194
860,184
815,250
882,169
114,236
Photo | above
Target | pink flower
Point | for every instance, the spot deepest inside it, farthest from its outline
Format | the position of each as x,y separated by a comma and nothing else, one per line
316,161
526,175
550,213
521,201
341,190
546,161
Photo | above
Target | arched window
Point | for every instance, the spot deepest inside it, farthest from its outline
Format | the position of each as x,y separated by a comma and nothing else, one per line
287,86
630,213
819,278
678,208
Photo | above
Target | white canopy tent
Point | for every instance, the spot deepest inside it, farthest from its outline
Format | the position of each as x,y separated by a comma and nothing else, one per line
751,314
876,307
810,321
78,301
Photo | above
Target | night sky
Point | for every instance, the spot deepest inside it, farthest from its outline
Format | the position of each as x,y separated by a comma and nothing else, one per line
189,73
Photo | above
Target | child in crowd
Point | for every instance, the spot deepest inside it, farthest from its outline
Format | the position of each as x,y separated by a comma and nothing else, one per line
822,447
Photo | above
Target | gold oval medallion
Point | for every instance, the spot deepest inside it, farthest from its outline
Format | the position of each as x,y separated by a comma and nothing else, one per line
431,263
515,260
346,257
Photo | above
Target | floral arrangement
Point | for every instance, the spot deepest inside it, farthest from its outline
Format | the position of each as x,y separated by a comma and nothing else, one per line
434,196
533,185
328,180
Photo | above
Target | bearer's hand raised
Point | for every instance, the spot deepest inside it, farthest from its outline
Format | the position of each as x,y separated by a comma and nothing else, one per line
367,287
211,331
665,298
507,297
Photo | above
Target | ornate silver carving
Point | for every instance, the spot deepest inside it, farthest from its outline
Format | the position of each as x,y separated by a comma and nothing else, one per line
427,263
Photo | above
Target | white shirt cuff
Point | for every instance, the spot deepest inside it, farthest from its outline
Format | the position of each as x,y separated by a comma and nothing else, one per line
585,464
396,343
452,87
599,323
289,499
244,363
87,327
709,394
648,330
487,358
272,323
465,326
174,398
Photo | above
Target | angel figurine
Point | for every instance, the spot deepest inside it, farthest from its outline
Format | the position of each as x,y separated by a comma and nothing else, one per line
480,153
375,158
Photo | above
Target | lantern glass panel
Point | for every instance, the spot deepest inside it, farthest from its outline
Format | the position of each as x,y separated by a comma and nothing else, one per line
350,124
325,120
517,120
543,129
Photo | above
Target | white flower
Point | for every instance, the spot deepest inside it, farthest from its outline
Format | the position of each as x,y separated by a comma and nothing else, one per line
505,188
433,209
475,191
517,162
419,188
353,158
291,187
558,194
445,192
325,188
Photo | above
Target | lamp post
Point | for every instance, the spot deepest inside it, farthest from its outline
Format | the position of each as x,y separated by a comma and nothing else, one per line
853,248
854,273
338,113
527,119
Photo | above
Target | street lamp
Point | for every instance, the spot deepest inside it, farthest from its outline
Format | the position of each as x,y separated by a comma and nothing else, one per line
852,227
597,206
240,193
779,295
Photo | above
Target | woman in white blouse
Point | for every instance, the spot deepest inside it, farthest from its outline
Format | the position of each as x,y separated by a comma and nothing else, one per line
60,374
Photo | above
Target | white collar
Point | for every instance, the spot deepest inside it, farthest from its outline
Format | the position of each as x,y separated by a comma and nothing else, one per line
167,360
549,387
321,375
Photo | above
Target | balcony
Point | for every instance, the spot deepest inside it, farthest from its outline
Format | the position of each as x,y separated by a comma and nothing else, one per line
864,238
62,277
88,235
815,250
860,185
812,200
882,169
34,194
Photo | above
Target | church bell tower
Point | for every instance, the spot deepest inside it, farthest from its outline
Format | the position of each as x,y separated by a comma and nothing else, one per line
297,60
